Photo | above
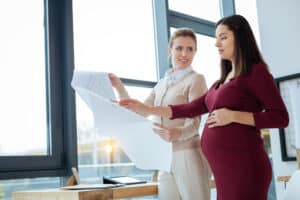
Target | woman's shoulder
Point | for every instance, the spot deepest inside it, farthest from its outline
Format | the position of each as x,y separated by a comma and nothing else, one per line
259,74
259,68
195,78
193,75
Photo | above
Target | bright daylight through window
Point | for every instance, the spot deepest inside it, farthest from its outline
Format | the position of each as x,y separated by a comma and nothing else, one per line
22,79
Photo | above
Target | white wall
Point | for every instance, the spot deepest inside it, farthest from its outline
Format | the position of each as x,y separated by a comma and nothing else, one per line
280,44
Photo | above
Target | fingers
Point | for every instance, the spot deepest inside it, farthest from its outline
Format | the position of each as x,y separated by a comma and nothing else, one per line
112,77
163,133
125,102
212,121
159,131
165,137
158,125
213,125
114,101
128,101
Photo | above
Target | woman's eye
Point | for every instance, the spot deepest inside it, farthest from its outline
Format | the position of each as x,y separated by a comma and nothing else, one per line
190,49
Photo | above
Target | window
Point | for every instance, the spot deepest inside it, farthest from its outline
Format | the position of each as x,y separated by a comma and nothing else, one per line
209,10
36,110
115,36
118,37
249,10
22,79
207,59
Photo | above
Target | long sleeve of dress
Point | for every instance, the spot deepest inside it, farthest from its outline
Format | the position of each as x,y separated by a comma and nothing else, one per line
192,109
191,125
274,114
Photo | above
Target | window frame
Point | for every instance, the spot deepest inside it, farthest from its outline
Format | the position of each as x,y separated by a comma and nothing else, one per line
199,25
61,129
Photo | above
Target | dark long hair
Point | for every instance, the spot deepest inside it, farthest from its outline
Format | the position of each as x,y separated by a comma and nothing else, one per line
246,50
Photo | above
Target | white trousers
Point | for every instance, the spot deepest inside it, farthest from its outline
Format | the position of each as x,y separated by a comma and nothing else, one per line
189,178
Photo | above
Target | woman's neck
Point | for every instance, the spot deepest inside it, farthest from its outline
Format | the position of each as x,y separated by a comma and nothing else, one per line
230,75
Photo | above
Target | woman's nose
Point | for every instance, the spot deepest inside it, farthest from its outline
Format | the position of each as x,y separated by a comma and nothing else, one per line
184,52
217,43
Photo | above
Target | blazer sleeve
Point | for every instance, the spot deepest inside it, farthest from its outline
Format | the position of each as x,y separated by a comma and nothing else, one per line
191,125
122,93
150,99
274,113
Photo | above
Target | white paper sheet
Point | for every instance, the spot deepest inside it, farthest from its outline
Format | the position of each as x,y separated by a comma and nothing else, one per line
89,186
96,82
134,132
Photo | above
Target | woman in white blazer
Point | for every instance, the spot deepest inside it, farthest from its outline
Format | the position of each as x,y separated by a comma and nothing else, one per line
189,177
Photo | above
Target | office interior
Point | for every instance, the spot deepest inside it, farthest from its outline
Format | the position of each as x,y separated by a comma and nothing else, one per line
48,129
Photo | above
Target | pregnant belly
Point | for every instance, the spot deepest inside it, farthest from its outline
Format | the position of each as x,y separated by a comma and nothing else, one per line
234,137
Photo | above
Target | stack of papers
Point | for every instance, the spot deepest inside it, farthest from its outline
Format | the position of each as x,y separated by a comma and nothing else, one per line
89,186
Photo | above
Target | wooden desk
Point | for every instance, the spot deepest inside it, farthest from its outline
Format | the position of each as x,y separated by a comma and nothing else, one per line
103,194
130,191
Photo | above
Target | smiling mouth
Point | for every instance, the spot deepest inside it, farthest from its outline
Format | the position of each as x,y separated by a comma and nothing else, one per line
183,61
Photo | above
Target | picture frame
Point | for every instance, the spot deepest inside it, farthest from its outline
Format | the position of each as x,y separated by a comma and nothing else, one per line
287,135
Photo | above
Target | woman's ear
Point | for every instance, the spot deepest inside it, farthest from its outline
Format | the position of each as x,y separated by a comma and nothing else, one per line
169,51
170,61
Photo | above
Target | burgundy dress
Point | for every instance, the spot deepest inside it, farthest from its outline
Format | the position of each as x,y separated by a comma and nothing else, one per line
235,152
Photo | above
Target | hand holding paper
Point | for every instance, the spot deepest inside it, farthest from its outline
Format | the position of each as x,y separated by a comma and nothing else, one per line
135,106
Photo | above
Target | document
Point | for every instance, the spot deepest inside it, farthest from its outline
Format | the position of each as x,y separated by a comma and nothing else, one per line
134,132
90,186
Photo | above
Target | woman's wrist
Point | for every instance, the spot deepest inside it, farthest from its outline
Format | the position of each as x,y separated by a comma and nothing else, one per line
150,110
243,118
235,116
162,111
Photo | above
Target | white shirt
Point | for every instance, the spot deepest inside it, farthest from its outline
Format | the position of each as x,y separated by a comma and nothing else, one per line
173,76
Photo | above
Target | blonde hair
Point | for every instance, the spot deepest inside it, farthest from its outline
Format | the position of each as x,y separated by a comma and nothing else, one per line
183,32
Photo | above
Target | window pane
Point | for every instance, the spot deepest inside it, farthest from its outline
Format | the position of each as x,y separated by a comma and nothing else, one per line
115,36
22,78
249,10
206,60
100,155
209,10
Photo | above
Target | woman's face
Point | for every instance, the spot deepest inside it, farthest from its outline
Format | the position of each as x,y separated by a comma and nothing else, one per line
225,42
182,52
